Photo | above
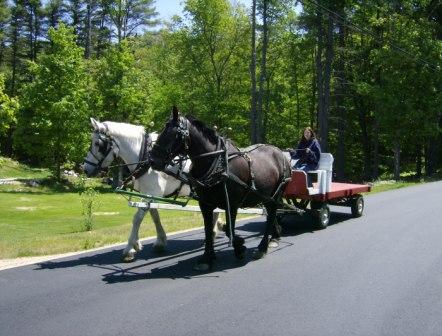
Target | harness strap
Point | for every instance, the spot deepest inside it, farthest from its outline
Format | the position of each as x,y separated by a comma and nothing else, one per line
214,174
143,163
143,166
228,217
217,152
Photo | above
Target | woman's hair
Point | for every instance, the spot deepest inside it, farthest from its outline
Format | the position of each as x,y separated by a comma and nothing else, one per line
308,128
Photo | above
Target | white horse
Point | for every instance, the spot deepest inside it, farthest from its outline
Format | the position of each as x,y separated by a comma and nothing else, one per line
111,140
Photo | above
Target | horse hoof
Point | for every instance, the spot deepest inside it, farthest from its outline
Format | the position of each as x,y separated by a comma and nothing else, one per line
273,243
128,258
241,254
158,248
222,226
201,267
258,255
138,247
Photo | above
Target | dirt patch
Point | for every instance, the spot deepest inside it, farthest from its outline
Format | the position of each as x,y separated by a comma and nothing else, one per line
105,213
26,208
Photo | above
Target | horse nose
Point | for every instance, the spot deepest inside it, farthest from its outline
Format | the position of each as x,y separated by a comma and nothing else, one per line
154,163
85,170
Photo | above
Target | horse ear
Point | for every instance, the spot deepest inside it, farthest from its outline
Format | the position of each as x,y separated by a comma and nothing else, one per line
175,113
98,126
94,124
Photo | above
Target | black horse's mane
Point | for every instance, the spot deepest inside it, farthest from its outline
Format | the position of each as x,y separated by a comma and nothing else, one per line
206,131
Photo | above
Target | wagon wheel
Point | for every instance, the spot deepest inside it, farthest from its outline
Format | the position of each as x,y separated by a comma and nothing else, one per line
322,212
357,206
323,217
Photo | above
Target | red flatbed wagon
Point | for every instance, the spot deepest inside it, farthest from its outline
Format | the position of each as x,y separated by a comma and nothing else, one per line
316,199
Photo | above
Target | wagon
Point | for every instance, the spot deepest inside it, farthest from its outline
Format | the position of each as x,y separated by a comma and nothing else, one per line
315,200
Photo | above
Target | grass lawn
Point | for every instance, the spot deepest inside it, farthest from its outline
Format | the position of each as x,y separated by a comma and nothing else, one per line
11,168
41,223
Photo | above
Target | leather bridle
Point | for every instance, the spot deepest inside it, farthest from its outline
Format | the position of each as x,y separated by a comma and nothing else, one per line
105,147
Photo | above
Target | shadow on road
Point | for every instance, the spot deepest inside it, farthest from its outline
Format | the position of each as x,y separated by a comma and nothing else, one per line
294,225
178,268
112,257
184,250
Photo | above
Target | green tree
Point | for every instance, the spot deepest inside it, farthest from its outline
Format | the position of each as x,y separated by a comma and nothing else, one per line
8,109
33,24
122,89
127,16
17,44
289,78
213,64
4,19
54,12
53,117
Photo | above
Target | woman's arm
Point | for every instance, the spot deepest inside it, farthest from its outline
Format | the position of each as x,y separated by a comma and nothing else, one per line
298,152
315,152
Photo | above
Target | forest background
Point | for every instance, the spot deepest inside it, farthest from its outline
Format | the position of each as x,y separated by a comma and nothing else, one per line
366,75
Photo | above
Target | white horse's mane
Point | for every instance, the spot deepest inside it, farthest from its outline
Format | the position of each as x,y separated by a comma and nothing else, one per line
132,133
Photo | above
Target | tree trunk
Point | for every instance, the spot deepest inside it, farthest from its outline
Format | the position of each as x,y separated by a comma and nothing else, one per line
14,60
298,103
323,120
313,92
378,109
253,116
375,157
266,111
263,74
365,140
432,153
418,161
2,52
8,142
319,80
397,160
119,22
88,37
37,33
341,111
295,87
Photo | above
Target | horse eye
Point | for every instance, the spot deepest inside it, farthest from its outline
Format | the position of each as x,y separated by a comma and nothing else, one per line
97,143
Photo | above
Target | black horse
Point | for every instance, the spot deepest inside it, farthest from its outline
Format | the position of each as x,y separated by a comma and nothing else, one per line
225,177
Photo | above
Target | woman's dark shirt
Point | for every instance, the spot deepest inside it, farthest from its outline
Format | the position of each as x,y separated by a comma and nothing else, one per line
310,158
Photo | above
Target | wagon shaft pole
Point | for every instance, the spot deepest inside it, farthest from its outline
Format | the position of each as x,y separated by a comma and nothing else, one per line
149,197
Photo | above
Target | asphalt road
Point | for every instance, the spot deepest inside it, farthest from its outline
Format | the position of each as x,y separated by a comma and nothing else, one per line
380,274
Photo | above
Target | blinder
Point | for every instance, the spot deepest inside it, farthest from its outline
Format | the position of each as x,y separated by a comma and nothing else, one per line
105,146
182,138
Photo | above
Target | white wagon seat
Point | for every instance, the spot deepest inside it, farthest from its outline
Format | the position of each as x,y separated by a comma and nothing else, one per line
324,174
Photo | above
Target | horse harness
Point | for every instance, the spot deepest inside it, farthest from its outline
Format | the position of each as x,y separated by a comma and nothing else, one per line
143,166
219,172
143,160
